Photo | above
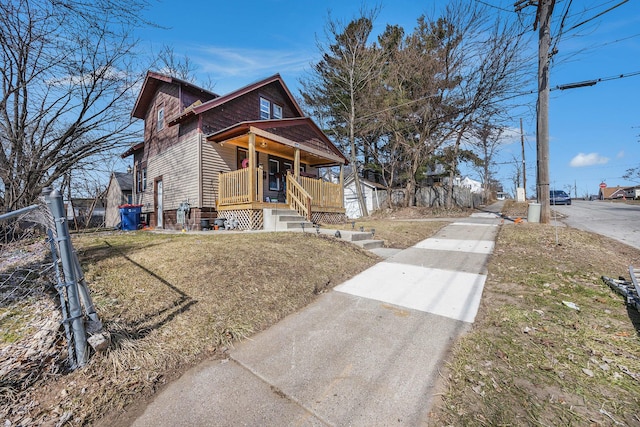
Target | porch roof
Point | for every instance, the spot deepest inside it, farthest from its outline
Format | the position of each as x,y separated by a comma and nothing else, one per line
282,137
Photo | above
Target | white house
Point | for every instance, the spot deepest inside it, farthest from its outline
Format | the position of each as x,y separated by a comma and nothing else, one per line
473,185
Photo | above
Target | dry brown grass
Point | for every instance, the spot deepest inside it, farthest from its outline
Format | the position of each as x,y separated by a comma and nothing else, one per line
396,234
172,300
530,359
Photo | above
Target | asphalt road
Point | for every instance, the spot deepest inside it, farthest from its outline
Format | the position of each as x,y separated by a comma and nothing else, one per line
617,220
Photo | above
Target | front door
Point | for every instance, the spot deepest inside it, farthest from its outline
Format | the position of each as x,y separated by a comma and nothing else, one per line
158,198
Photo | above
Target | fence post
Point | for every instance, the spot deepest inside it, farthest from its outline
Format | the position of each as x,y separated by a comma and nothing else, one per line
53,200
61,294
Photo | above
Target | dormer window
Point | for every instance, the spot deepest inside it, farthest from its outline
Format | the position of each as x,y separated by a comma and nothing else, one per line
265,109
160,121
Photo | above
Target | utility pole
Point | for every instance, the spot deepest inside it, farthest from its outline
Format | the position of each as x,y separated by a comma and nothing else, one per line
524,165
543,18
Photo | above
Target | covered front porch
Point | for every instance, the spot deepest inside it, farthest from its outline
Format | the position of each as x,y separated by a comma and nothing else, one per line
245,193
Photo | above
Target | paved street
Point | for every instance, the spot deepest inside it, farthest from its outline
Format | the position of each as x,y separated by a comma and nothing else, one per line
617,220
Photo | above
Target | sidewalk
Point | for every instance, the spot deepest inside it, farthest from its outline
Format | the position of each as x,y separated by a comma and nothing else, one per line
367,353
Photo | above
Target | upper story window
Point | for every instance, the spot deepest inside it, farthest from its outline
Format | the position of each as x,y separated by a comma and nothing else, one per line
277,111
269,110
160,121
265,109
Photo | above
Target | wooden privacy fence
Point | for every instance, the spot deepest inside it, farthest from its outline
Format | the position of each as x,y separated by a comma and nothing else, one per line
234,187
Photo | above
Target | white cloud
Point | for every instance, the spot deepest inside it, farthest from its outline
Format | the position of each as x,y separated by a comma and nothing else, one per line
223,62
510,136
590,159
620,155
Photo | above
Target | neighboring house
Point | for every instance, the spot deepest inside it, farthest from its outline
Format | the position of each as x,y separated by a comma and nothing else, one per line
610,193
632,192
237,155
471,184
370,190
119,192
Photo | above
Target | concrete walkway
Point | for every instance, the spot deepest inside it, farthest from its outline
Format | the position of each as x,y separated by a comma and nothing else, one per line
367,353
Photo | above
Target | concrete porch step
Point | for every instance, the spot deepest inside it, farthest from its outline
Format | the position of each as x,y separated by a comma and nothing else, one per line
369,244
363,239
292,225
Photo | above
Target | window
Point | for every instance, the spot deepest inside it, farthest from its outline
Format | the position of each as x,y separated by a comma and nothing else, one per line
277,111
141,178
160,121
287,167
274,175
139,181
265,109
241,155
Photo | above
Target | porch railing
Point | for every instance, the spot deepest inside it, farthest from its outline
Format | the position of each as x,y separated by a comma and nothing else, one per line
303,194
298,198
323,194
233,187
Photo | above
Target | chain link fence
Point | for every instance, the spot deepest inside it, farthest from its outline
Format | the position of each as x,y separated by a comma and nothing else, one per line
47,317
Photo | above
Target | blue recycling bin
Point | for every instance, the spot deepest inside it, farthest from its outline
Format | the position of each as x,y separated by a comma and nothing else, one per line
130,216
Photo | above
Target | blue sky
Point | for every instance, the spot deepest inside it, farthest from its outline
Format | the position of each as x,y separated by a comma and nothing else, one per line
594,131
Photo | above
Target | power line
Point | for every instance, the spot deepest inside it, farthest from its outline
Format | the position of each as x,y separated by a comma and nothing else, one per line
554,50
598,15
594,81
494,6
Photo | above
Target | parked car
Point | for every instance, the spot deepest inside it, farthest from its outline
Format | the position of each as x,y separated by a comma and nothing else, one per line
559,197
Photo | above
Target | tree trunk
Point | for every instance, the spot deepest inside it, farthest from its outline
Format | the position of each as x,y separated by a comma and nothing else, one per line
452,168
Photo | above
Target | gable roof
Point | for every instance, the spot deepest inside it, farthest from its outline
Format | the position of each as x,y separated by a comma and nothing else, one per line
293,132
199,109
350,179
151,83
125,180
610,192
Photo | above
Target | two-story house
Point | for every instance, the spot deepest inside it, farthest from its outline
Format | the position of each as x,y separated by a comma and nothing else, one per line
230,156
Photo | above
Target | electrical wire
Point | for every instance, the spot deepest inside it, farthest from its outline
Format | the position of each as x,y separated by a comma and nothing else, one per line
494,6
594,81
598,15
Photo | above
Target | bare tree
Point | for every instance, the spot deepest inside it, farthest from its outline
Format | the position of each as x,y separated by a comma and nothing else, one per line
487,143
66,88
490,58
170,64
337,88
